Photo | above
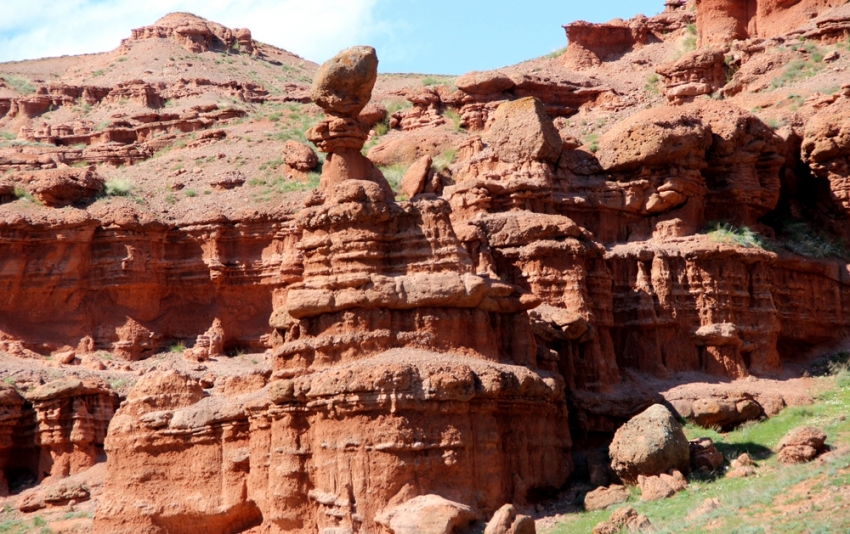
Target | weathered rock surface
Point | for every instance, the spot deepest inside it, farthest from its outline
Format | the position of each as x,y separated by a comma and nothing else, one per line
506,520
625,518
801,445
428,514
60,187
650,444
655,488
603,497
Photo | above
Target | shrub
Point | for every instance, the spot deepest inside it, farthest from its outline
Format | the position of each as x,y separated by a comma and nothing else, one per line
651,86
742,236
394,174
118,187
800,238
23,194
7,136
429,81
442,162
592,142
556,53
190,193
454,117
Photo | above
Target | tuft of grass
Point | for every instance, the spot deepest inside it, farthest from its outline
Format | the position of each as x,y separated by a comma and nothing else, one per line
454,117
394,174
554,54
190,193
742,236
177,348
592,142
692,29
442,162
651,85
428,81
22,194
689,43
800,238
118,187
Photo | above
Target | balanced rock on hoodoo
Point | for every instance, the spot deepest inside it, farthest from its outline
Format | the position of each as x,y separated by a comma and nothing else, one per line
343,85
651,443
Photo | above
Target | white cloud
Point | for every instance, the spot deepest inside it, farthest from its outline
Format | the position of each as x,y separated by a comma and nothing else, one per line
314,29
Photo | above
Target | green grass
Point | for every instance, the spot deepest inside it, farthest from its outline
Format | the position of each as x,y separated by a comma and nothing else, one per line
651,85
177,348
556,53
799,69
8,136
453,117
429,81
22,194
689,43
190,193
394,174
799,237
118,187
748,504
729,234
20,85
442,162
592,142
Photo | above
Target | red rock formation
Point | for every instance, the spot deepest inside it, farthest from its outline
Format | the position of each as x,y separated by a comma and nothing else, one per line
193,33
721,21
451,401
10,414
114,279
697,73
60,431
60,187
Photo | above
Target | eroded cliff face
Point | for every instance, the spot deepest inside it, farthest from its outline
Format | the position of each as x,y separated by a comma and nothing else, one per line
134,286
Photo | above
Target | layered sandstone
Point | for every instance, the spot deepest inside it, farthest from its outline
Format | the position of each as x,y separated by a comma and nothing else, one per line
195,34
721,21
346,431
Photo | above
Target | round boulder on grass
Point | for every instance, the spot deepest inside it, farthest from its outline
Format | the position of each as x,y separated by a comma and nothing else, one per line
650,443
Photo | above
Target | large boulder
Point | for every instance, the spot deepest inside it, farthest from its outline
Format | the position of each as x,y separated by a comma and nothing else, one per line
299,156
523,131
60,187
343,84
427,514
507,521
651,443
801,445
488,82
602,498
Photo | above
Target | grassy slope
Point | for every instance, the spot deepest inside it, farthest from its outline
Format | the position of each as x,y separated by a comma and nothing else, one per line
809,498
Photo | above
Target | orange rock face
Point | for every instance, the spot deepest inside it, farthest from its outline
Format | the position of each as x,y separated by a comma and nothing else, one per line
722,21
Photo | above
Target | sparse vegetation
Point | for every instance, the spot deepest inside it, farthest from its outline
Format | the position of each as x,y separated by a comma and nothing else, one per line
394,174
556,53
190,193
453,117
651,86
177,348
22,194
118,187
442,162
97,73
799,237
592,142
20,85
742,236
429,81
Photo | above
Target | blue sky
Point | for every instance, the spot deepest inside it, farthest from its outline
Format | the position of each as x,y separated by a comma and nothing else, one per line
426,36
